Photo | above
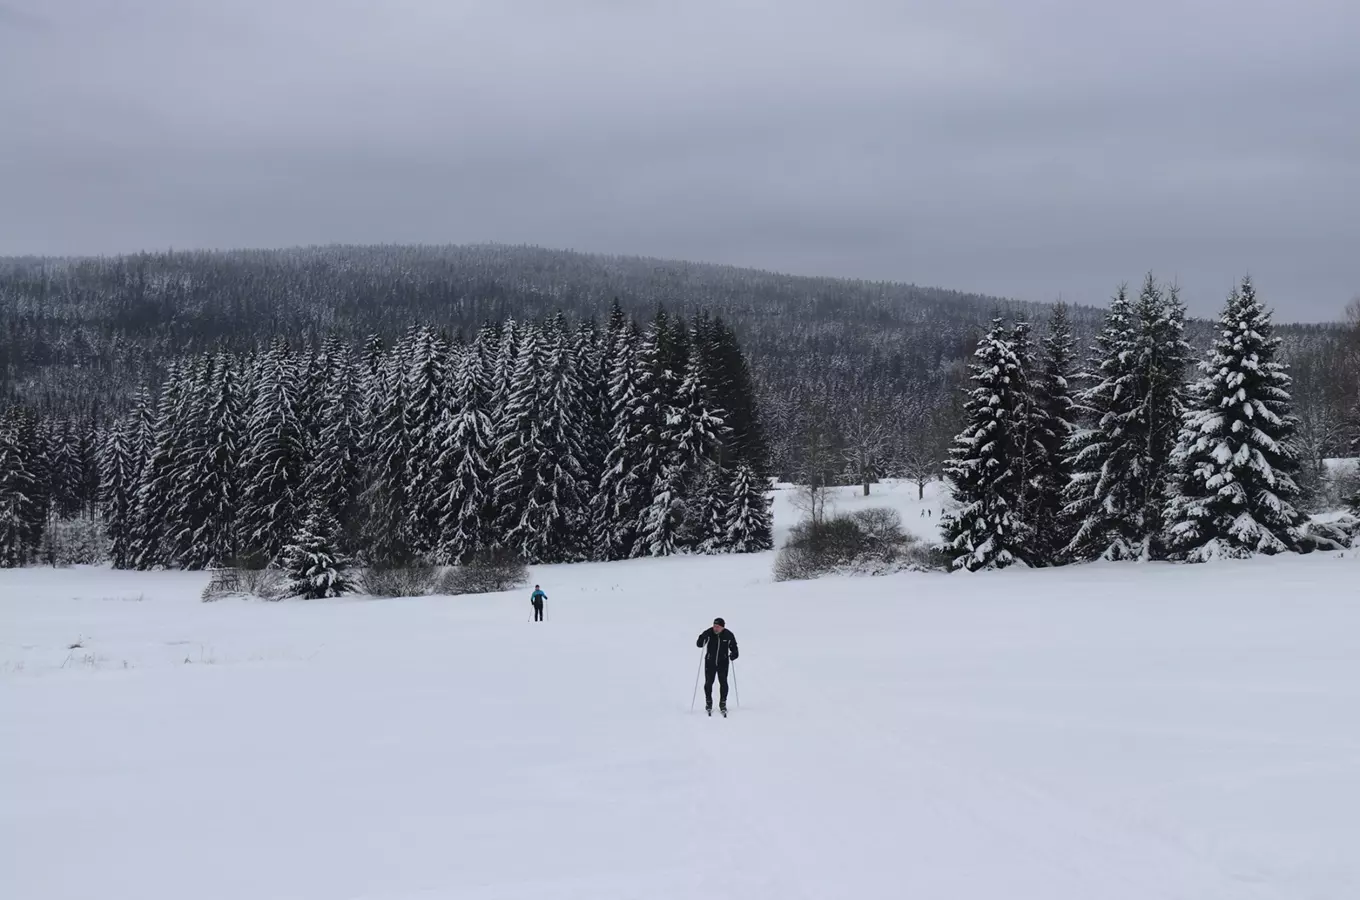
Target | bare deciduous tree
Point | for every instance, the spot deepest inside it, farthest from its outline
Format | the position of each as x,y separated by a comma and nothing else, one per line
866,440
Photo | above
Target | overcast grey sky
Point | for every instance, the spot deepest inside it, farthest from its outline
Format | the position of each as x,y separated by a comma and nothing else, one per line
1028,148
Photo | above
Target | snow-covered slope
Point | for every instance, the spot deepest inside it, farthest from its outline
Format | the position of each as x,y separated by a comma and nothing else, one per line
1094,733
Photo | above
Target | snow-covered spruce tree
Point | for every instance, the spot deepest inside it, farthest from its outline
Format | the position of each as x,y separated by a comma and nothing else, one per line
985,530
660,531
207,494
274,460
750,526
1120,459
694,433
1034,434
33,450
521,496
118,497
658,476
566,433
592,368
65,468
385,501
691,435
623,492
312,561
427,383
708,506
141,433
18,507
334,472
153,520
465,511
1233,494
1052,528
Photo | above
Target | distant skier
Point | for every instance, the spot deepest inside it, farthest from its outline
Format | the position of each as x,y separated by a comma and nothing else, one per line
537,599
721,649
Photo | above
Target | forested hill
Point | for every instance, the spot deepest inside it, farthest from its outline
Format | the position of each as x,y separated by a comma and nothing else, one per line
76,334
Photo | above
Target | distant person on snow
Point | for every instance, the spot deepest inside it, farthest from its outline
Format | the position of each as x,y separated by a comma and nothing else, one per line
722,649
537,599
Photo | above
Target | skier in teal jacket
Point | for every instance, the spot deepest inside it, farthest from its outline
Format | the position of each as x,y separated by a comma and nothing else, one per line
537,599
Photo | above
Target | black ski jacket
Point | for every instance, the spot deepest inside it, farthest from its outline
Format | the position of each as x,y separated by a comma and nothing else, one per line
721,647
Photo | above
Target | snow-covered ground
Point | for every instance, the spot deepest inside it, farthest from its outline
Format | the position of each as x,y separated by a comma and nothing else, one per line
1095,733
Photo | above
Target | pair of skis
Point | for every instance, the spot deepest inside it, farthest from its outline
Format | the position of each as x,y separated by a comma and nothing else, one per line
721,709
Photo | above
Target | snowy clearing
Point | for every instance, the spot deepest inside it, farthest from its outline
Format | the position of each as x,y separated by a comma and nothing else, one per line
1119,732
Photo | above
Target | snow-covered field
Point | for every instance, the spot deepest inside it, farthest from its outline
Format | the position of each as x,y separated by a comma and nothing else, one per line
1096,733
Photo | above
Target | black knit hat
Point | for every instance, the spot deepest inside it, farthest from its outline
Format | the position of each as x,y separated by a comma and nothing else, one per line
719,621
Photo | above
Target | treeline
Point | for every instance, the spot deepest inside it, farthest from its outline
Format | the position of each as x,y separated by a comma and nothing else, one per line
856,380
1129,460
551,441
77,336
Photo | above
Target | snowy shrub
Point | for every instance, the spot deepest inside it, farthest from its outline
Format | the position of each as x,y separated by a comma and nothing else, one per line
414,580
868,542
75,542
267,584
264,584
485,573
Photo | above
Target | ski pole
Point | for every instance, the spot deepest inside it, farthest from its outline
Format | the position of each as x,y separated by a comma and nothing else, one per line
736,691
695,696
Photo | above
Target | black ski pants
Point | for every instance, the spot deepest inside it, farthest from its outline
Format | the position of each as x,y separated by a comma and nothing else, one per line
710,670
538,612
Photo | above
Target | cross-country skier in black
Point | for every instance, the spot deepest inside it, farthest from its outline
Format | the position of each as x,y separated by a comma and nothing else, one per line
721,649
537,599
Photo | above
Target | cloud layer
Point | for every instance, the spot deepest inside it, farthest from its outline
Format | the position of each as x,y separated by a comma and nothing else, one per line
1037,149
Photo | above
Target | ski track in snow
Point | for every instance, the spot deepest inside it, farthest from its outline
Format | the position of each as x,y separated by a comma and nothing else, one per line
1105,732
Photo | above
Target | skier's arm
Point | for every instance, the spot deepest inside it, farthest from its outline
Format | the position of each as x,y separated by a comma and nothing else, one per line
732,653
703,638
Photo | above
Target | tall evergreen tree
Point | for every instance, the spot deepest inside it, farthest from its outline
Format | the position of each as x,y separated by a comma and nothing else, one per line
1120,460
708,509
466,514
34,451
66,474
119,491
1033,436
1053,530
985,529
1233,493
334,472
625,490
592,373
386,497
566,437
524,499
734,392
274,460
210,492
657,474
427,382
154,519
18,506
